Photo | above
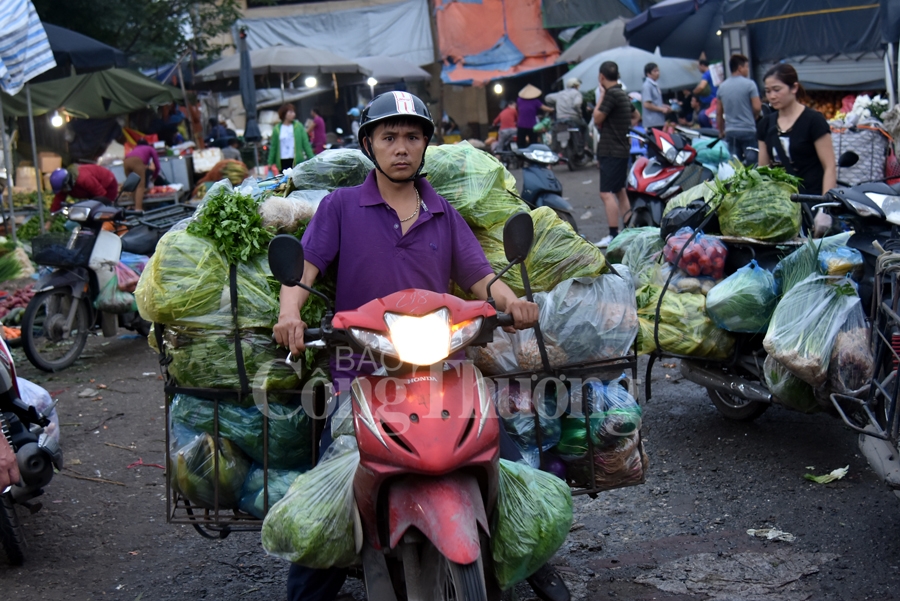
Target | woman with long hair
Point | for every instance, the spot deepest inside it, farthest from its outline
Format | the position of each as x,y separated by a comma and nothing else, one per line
794,135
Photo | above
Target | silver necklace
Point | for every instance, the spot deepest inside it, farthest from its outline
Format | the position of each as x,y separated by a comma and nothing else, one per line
418,206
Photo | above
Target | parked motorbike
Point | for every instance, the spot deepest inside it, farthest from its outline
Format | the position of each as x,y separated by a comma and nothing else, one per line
570,137
652,180
540,186
62,313
427,481
37,454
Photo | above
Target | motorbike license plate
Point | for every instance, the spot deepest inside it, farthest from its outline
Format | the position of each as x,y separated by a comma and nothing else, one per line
563,137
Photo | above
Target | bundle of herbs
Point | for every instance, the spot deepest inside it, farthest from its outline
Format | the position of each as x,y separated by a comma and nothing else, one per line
805,323
756,203
230,219
788,389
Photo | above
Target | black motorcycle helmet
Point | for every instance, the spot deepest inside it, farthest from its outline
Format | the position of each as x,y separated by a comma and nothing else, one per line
393,105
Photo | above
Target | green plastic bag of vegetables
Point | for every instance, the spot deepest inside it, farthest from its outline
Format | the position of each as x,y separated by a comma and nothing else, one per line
684,326
744,301
474,182
253,497
313,525
616,249
531,522
205,358
788,389
558,253
332,169
804,261
642,255
194,472
290,430
758,205
805,324
614,413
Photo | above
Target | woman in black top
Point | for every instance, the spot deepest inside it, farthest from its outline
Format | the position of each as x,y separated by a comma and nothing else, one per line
795,136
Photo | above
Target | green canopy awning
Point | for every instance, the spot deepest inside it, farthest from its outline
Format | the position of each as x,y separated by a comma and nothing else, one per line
93,95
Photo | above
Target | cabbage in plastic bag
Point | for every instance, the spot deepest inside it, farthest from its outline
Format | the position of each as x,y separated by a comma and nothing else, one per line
474,182
253,496
289,433
642,255
616,249
805,323
194,472
531,522
313,525
332,169
762,212
744,301
684,326
788,389
558,254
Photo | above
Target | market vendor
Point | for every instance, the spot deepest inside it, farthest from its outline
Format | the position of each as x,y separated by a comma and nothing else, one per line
83,182
144,161
391,233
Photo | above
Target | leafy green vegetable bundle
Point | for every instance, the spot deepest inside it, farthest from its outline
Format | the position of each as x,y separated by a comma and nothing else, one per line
330,170
475,183
532,520
194,472
313,524
788,389
805,324
804,261
615,252
642,255
290,430
230,220
684,326
744,301
756,203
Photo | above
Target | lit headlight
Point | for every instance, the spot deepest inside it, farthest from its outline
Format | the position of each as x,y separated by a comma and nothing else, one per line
421,340
542,156
79,214
661,184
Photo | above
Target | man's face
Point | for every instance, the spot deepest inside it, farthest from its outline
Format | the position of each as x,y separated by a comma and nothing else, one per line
399,148
744,70
703,68
654,75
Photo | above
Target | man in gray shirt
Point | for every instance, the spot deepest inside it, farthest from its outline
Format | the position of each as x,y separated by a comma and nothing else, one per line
739,104
654,114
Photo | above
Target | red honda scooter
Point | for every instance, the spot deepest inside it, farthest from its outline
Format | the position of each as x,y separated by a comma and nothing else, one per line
652,181
428,436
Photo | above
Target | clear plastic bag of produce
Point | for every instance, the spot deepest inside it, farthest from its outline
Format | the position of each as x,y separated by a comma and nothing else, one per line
615,252
284,214
613,413
315,524
205,358
289,433
744,301
195,464
113,300
684,326
516,408
474,182
253,495
852,364
590,319
531,522
37,397
788,389
804,261
805,323
332,169
497,357
842,260
642,255
758,205
558,253
681,282
616,466
704,255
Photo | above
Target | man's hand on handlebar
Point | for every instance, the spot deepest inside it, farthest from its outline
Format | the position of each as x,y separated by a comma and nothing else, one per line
524,314
289,333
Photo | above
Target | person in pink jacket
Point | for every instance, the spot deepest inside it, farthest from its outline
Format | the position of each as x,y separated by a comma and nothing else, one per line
140,161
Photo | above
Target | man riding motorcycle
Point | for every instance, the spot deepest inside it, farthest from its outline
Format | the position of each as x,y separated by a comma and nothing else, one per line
389,234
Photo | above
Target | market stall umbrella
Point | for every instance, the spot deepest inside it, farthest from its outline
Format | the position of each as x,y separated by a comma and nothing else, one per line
679,28
78,53
390,69
674,73
248,93
611,35
281,60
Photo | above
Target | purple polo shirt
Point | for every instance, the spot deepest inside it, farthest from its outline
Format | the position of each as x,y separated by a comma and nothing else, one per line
357,228
357,225
528,111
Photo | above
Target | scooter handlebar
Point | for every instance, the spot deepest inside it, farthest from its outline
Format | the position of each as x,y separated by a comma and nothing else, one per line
505,319
807,198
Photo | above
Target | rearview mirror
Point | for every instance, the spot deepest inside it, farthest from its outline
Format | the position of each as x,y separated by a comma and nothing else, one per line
131,182
518,236
286,259
848,159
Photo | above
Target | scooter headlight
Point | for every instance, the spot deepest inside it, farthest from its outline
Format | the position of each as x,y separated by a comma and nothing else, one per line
656,187
79,214
865,210
668,150
542,156
682,157
421,340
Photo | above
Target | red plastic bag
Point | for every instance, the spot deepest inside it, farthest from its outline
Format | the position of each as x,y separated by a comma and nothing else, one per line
128,279
704,255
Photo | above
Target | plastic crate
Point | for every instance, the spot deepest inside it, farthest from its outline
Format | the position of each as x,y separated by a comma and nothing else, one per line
63,249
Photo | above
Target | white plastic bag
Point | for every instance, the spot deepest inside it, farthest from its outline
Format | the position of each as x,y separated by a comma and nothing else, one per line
35,396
